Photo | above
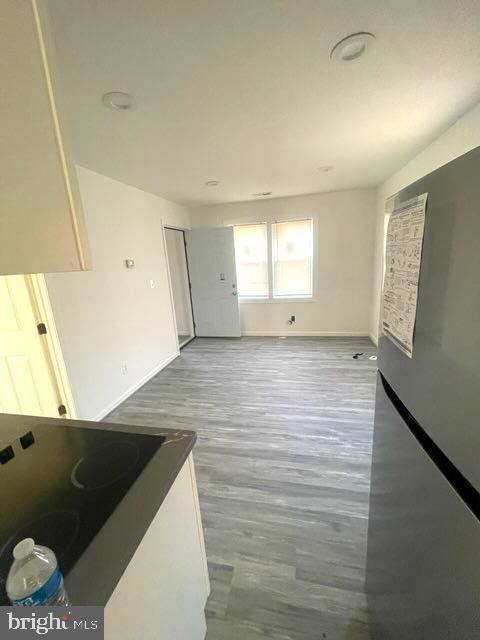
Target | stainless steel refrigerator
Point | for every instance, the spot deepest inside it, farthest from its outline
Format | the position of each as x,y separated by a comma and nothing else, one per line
423,564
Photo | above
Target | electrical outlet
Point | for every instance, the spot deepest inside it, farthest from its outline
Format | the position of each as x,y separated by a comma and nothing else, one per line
291,320
124,369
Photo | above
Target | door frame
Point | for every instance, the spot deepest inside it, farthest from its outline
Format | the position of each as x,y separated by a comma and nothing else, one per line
182,231
43,312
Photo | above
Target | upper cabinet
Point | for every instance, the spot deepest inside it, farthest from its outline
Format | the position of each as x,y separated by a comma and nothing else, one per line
41,220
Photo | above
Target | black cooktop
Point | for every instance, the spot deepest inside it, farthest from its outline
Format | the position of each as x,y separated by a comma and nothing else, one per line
59,485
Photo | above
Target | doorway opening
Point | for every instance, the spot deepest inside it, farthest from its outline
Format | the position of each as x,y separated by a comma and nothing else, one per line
180,284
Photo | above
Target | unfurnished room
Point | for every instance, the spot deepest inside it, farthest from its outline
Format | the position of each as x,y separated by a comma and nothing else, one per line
239,312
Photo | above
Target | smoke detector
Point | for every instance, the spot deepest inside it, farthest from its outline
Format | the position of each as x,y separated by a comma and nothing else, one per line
118,101
352,47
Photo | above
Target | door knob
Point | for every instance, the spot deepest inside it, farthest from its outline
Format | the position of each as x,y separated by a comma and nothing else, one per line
234,293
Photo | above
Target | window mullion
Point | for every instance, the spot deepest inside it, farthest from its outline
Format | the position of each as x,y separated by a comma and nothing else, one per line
270,259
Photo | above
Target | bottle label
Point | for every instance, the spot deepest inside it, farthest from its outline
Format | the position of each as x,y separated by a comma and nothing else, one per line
41,596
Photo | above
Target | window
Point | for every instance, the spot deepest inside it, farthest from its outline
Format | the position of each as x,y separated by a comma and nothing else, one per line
251,257
292,254
283,272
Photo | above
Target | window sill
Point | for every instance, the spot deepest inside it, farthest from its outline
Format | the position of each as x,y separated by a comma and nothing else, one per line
275,300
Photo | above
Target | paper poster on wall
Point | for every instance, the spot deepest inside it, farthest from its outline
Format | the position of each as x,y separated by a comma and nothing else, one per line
403,258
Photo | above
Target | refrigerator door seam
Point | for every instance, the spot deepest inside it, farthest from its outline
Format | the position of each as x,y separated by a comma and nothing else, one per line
458,482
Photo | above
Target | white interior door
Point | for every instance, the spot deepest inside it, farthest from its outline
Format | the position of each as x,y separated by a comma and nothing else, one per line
211,263
27,385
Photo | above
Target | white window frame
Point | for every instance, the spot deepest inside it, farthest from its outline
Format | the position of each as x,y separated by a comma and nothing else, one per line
250,224
270,299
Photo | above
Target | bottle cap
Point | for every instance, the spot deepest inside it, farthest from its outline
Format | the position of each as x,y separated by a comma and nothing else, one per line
23,549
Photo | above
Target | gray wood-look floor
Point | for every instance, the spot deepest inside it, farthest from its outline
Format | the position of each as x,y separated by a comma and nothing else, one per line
283,466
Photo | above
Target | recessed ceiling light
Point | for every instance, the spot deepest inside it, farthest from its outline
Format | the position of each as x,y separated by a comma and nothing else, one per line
352,47
118,101
262,193
326,168
212,183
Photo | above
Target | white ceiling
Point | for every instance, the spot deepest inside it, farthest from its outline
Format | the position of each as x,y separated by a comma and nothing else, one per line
244,92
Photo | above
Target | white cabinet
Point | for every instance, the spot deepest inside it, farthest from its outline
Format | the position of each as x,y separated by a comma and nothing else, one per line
41,219
163,591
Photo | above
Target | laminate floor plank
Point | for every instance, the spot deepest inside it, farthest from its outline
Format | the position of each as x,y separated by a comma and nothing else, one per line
283,469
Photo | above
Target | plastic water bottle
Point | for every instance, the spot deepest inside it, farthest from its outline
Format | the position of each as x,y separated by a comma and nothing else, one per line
34,578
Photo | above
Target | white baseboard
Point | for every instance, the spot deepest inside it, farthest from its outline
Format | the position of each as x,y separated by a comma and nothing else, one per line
374,339
135,387
325,334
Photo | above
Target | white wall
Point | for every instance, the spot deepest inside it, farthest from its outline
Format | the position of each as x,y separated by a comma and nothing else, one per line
344,224
461,137
111,316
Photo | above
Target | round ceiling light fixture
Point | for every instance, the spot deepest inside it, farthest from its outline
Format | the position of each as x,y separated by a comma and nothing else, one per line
352,47
118,101
212,183
326,168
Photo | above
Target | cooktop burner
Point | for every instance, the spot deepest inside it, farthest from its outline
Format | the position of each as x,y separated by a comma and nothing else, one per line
61,484
105,465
